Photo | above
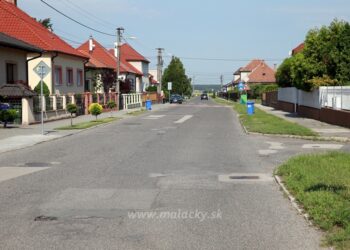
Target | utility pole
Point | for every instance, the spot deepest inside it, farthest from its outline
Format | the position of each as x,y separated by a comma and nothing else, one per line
193,88
159,70
120,31
222,80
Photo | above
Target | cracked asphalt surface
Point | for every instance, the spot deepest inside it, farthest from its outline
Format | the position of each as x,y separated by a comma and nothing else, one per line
97,178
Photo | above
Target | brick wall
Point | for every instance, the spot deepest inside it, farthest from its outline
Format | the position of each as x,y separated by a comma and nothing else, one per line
336,117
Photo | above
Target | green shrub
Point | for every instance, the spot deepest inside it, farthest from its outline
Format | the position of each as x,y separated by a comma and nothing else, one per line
95,109
151,89
8,115
257,90
111,104
46,90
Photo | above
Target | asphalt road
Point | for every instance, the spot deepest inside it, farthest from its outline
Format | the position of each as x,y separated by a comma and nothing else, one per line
87,190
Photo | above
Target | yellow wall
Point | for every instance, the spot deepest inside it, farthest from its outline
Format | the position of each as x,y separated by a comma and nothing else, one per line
61,60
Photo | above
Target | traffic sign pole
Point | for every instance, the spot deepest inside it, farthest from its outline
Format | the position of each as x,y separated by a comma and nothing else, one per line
42,99
42,70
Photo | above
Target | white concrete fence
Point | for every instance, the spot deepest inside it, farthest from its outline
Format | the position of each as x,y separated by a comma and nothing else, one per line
331,97
132,101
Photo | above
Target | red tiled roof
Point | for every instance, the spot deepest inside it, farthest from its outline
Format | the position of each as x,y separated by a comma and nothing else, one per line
252,65
99,57
262,73
125,67
18,24
298,49
131,54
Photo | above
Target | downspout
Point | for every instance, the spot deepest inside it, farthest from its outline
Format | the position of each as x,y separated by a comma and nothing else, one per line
85,71
53,70
27,61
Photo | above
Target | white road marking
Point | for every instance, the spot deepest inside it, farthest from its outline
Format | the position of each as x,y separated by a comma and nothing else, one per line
275,145
153,117
7,173
267,152
183,119
322,146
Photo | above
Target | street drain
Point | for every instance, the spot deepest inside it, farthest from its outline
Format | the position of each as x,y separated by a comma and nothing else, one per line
45,218
37,164
244,177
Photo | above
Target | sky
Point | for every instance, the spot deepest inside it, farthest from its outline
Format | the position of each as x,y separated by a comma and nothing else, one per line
211,38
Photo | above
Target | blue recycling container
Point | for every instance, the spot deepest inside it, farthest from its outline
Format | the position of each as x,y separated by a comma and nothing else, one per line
148,105
250,108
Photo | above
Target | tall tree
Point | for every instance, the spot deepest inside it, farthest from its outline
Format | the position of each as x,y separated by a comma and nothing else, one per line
46,22
176,74
325,60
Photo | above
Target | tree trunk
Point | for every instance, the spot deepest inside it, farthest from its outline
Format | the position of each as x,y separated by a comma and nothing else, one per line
71,120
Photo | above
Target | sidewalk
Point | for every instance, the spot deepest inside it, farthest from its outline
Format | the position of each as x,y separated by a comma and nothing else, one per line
24,136
325,130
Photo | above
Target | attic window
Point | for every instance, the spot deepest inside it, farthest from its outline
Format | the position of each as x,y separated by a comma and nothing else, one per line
264,74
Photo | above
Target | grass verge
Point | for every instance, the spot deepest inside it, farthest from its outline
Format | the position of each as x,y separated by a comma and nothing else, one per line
321,184
262,122
89,124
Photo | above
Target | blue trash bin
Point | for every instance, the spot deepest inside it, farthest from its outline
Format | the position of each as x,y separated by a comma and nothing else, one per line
148,105
250,108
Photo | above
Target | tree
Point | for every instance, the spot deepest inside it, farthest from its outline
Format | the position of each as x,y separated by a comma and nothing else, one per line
95,109
325,60
176,74
111,105
72,109
46,90
46,22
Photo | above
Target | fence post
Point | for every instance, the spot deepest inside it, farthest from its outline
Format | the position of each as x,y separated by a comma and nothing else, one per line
27,111
64,102
54,102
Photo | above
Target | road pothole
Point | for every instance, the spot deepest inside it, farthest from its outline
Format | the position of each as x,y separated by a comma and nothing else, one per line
245,178
45,218
38,164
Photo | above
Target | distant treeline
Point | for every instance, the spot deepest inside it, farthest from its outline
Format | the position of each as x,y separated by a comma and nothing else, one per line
208,88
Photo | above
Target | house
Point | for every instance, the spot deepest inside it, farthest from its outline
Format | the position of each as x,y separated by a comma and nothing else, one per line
66,63
13,60
138,61
298,49
255,72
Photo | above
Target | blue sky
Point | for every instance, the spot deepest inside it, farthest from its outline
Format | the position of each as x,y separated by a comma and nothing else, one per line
221,29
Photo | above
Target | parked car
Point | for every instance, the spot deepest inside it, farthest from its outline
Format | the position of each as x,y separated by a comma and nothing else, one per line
5,106
204,96
175,98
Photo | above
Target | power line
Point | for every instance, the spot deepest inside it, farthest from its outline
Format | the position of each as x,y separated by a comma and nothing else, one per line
89,14
70,18
225,59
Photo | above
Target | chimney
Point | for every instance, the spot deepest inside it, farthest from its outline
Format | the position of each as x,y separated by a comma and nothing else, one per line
91,44
12,1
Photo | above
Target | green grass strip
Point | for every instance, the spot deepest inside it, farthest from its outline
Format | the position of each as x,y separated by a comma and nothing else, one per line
89,124
321,184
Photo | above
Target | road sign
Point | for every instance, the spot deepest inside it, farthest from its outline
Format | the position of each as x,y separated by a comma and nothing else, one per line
241,86
42,69
170,85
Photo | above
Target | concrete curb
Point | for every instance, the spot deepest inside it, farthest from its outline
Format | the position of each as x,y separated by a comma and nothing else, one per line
293,200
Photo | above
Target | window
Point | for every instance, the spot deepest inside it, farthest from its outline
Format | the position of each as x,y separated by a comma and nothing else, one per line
69,76
79,77
11,70
58,75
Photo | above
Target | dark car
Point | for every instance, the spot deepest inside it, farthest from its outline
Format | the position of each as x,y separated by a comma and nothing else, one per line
204,96
176,99
4,106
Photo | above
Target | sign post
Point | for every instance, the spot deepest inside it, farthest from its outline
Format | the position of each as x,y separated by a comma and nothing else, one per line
170,86
42,70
